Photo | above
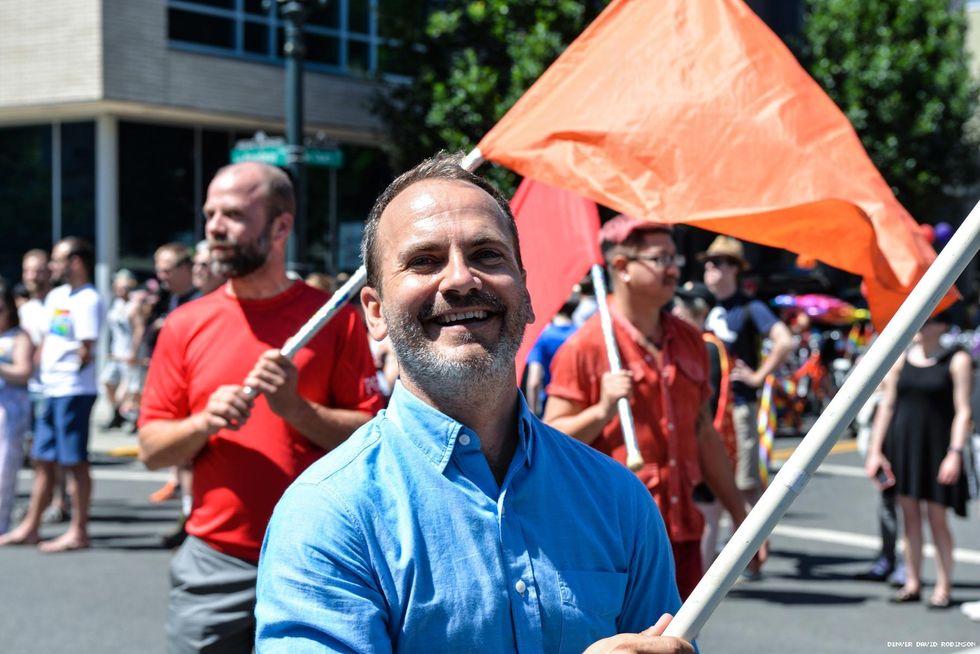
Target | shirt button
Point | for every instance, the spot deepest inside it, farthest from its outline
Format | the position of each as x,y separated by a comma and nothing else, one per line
670,426
673,500
520,586
464,439
673,462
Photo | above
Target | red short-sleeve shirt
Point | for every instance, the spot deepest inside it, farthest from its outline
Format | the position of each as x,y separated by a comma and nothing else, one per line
667,397
215,340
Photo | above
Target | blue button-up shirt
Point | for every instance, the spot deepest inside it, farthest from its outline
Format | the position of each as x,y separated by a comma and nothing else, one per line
402,540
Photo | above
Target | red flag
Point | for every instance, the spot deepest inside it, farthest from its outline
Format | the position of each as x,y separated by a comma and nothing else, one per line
559,234
692,111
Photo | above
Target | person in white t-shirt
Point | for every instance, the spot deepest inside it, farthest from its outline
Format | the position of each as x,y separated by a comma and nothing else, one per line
75,315
36,277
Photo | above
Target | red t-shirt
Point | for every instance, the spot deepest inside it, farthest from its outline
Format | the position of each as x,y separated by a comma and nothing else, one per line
215,340
667,397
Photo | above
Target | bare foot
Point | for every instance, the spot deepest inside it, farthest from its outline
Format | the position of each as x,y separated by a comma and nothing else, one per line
19,536
66,542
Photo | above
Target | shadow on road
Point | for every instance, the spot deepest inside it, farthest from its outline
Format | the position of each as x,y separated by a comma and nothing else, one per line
130,542
795,597
817,566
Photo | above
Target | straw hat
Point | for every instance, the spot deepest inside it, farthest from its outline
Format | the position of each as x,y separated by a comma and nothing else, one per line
727,247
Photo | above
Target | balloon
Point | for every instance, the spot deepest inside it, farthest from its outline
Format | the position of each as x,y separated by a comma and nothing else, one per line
943,232
927,232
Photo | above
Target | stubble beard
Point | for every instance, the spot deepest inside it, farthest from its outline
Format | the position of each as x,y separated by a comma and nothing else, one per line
440,376
245,258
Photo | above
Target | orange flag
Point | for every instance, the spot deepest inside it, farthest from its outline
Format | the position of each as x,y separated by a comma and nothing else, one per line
559,234
693,111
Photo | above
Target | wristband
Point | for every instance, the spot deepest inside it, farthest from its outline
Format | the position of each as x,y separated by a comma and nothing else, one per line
955,450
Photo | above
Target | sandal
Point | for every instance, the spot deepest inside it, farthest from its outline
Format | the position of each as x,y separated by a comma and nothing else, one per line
904,596
939,602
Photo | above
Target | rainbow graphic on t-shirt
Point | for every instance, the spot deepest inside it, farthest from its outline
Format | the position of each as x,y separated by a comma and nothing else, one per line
61,323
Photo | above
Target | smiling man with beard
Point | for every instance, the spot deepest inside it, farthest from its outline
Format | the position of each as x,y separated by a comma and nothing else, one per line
456,521
245,450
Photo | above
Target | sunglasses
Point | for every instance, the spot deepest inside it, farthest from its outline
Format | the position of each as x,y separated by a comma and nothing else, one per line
727,261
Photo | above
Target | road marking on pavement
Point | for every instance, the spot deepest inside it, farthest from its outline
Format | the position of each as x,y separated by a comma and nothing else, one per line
864,541
831,469
840,447
960,555
114,475
842,471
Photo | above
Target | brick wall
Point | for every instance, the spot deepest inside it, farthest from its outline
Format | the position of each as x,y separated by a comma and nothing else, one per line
50,52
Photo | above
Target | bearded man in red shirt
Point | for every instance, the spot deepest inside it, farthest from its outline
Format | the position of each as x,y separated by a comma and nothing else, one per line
245,449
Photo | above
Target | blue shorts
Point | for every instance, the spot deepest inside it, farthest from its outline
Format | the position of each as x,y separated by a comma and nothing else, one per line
61,431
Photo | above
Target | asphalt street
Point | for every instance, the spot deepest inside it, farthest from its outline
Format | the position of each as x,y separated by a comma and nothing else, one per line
112,598
808,601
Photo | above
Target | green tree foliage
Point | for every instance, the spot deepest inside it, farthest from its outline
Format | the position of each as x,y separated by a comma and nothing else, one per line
466,62
899,71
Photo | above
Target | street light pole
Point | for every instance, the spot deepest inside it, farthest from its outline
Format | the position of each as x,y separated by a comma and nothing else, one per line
294,14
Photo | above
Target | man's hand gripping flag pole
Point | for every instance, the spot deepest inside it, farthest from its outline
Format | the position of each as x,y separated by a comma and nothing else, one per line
323,315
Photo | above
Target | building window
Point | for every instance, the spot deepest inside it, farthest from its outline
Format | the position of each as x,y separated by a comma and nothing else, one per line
156,190
25,194
78,180
341,36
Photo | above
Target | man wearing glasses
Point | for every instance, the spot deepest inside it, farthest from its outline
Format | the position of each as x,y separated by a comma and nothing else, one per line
742,323
665,376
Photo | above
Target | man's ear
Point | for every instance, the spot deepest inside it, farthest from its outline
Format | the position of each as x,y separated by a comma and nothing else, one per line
377,326
282,225
618,265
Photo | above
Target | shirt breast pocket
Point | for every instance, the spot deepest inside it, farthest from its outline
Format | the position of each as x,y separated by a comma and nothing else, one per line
590,604
692,370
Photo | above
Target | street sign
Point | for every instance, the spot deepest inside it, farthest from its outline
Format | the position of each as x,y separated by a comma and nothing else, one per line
333,158
271,154
276,155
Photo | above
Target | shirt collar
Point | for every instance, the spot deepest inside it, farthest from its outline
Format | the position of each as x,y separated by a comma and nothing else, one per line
667,323
434,433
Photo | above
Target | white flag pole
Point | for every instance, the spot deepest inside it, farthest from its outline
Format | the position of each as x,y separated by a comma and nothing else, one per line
796,472
323,315
634,460
341,296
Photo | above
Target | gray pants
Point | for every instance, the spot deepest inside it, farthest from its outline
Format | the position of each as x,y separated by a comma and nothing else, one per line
212,601
745,418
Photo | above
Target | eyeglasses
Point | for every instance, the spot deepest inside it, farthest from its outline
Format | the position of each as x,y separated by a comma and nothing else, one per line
661,260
